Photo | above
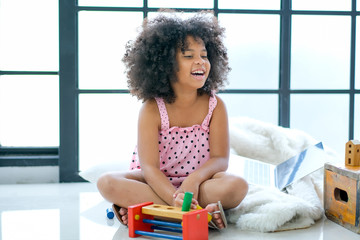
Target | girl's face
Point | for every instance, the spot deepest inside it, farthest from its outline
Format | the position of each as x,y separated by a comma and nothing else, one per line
193,64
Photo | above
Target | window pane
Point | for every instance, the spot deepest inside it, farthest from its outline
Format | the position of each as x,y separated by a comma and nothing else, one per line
29,111
325,117
181,4
357,117
329,5
253,48
107,128
357,61
102,46
29,35
320,57
249,4
263,107
111,3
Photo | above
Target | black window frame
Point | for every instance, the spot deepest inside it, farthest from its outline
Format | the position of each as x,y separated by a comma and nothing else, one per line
67,155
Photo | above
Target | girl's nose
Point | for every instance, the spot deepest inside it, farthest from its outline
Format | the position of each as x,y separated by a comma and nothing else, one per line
199,60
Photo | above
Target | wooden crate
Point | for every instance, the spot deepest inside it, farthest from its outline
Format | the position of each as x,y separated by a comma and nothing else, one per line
342,195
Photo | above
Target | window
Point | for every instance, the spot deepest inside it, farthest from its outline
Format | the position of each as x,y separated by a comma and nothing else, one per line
295,64
29,83
292,66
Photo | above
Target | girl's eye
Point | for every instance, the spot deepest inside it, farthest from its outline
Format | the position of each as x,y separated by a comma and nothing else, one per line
204,57
188,56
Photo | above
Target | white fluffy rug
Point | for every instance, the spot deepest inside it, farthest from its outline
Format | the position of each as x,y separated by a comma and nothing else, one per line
268,209
264,209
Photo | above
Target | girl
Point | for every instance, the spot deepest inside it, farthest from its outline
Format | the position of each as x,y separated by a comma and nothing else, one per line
175,66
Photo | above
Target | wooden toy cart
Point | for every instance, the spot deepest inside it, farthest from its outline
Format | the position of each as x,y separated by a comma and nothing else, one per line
194,225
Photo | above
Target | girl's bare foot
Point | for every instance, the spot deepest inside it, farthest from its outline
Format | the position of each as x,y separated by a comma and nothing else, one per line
213,208
121,214
124,215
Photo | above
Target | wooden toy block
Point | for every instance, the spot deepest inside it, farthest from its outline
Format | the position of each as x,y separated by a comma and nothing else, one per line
136,217
342,195
187,201
194,224
352,153
163,211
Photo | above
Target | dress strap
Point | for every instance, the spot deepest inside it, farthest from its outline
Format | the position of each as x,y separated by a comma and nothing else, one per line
212,105
163,114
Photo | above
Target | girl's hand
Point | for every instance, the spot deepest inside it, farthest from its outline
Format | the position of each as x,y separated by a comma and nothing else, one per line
179,199
191,185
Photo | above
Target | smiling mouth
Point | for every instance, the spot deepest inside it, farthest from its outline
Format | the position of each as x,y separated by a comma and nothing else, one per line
198,73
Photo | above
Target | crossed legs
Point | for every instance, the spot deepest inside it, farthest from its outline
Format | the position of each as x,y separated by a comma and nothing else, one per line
130,188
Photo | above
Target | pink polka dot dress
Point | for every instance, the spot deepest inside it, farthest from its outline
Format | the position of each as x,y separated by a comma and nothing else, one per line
181,150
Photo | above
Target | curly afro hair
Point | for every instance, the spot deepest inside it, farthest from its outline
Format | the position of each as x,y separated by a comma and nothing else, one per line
150,60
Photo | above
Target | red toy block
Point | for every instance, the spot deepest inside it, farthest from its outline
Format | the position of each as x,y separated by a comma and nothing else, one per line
195,225
135,218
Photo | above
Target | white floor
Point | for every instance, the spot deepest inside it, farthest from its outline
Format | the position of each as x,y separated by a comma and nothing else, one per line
77,211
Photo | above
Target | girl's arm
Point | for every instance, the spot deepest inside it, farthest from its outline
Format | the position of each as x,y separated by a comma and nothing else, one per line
219,151
149,124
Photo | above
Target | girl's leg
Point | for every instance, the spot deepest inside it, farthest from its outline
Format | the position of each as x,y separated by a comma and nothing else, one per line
224,187
229,189
126,189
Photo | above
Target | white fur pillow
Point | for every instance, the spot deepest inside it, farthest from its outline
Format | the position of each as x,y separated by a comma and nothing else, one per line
267,142
93,173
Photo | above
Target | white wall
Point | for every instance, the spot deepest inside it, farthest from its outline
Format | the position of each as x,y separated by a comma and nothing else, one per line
20,175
